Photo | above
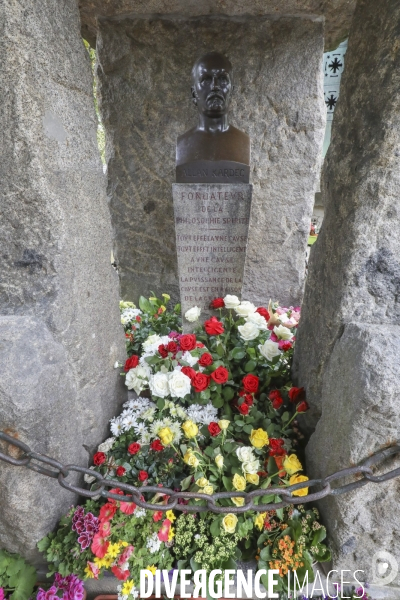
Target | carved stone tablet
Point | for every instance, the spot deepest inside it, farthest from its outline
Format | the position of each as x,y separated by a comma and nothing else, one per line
207,171
211,225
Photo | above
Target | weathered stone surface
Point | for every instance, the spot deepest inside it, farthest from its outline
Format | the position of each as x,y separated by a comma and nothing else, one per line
211,224
360,415
354,269
144,74
337,13
55,239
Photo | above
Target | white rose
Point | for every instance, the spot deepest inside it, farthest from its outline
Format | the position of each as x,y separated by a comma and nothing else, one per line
188,358
151,340
245,453
136,379
179,384
252,466
283,333
158,384
269,349
193,314
231,301
107,445
258,320
248,332
245,309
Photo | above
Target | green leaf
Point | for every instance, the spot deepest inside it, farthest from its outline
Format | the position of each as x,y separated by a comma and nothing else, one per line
218,402
238,353
215,528
265,553
185,483
220,350
320,535
227,483
228,393
160,403
145,305
250,366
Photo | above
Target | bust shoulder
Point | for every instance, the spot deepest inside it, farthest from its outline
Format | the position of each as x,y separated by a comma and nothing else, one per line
195,144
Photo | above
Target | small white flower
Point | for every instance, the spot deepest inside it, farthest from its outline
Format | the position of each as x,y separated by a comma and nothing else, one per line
116,427
153,544
245,309
252,466
158,384
231,301
106,446
193,314
248,332
151,341
140,512
245,453
283,333
136,379
269,349
179,384
116,365
258,320
189,359
128,422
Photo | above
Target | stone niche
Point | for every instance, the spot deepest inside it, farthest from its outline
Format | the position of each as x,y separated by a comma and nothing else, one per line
144,79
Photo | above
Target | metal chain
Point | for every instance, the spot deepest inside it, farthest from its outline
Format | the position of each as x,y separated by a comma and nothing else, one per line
35,461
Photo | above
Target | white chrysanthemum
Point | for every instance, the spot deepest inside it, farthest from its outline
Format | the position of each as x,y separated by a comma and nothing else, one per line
177,432
106,446
179,384
193,314
135,403
248,331
128,422
136,379
148,414
116,427
245,308
231,301
139,429
201,414
245,453
146,438
129,314
155,427
181,412
269,349
153,544
158,384
189,359
167,422
258,320
283,333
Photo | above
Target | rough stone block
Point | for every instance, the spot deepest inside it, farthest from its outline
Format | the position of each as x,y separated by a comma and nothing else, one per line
360,415
144,75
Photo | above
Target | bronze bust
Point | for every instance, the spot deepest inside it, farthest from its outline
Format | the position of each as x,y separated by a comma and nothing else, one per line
213,151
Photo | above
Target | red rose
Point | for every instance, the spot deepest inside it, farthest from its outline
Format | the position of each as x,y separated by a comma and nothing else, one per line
285,345
143,475
157,446
199,345
244,408
172,347
206,360
120,471
162,350
99,458
188,371
200,382
263,312
248,398
188,342
276,447
217,303
302,407
214,428
276,398
138,319
134,448
250,383
131,362
213,326
220,375
296,394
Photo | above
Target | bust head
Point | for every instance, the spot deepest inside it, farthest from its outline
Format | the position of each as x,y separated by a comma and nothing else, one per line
212,84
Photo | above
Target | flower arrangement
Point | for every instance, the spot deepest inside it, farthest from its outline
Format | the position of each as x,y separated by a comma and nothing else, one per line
212,411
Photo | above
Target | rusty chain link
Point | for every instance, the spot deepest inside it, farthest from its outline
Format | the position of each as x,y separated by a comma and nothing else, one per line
35,461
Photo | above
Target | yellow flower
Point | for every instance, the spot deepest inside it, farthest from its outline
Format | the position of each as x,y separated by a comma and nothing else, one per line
127,587
239,482
126,304
162,308
202,482
259,520
166,297
291,464
252,478
224,424
153,298
190,459
171,534
151,568
259,438
219,461
170,516
208,489
113,550
88,572
190,429
166,436
238,501
298,479
229,523
103,562
123,544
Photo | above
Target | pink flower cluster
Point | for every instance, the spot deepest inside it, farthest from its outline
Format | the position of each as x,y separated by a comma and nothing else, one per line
86,526
71,586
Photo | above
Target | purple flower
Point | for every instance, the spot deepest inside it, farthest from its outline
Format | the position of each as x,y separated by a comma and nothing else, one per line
51,594
1,594
84,539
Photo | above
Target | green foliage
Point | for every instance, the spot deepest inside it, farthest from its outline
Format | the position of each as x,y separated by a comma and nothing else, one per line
17,578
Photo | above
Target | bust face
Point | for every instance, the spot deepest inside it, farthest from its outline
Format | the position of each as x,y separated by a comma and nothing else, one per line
212,84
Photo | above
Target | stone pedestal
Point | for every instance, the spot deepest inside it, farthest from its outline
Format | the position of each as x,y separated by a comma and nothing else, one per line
211,226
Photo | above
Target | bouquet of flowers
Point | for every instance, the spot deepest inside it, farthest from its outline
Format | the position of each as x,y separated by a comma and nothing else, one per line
210,411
